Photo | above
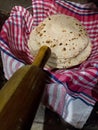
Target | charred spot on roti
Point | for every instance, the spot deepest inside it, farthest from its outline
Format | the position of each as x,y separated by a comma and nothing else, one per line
41,27
43,24
74,39
77,24
80,30
63,30
64,49
40,34
53,45
69,62
39,43
85,34
60,44
49,18
48,41
44,31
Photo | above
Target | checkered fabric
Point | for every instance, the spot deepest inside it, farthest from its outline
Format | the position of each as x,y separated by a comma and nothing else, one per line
72,93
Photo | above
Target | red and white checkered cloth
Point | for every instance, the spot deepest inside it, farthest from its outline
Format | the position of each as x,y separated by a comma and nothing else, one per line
72,93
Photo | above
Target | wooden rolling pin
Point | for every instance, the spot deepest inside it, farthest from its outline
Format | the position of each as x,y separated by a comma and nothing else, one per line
21,95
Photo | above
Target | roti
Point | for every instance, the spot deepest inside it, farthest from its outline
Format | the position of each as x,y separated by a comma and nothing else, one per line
68,63
64,34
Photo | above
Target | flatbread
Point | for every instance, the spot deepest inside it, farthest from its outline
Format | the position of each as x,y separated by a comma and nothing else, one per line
68,63
65,36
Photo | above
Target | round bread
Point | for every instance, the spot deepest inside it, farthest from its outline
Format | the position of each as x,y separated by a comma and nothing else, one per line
65,36
61,63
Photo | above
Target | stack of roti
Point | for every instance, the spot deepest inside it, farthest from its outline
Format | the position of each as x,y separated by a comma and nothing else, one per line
67,38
